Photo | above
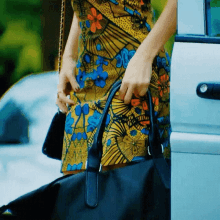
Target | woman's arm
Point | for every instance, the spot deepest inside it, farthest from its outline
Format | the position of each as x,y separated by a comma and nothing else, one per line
138,73
67,80
164,28
71,48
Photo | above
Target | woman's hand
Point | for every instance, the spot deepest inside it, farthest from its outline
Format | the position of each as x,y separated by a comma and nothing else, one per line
138,73
67,82
137,77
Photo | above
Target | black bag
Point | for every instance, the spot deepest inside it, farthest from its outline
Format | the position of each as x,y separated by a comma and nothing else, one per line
135,192
53,143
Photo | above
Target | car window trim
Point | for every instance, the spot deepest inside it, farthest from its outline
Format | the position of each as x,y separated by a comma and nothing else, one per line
197,39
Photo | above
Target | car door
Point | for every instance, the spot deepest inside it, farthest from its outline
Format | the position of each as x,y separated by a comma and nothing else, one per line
195,112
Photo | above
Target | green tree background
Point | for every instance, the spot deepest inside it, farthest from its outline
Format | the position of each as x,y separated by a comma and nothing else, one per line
21,39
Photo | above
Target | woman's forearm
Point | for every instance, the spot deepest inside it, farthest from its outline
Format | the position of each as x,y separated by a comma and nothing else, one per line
163,29
71,48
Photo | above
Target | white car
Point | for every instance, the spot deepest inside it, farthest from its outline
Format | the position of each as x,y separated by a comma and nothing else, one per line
23,167
195,112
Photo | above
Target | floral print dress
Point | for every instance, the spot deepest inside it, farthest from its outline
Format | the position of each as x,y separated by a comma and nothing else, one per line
111,32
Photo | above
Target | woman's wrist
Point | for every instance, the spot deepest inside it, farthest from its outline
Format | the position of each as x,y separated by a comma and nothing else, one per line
146,53
69,57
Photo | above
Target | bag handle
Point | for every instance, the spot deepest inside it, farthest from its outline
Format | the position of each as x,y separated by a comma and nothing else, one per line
95,152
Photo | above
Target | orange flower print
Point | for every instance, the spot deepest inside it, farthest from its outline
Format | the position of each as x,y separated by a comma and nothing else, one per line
156,103
95,18
142,3
163,84
138,101
144,123
135,102
155,100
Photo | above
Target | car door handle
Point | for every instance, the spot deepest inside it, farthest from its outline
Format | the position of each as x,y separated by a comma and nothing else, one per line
208,90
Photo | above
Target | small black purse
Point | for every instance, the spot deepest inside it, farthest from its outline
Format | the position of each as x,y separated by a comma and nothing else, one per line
53,143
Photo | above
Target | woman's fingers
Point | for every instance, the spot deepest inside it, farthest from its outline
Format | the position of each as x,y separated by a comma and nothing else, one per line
142,89
127,90
73,82
64,99
129,94
122,91
62,106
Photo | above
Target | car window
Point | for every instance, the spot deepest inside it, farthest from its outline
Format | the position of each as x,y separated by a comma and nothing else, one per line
213,17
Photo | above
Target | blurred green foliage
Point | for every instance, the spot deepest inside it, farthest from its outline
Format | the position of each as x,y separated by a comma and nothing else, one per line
20,40
215,3
158,6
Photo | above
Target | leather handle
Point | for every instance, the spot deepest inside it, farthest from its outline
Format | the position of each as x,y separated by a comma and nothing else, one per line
95,152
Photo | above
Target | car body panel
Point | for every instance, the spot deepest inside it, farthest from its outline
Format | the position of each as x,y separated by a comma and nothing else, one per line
195,121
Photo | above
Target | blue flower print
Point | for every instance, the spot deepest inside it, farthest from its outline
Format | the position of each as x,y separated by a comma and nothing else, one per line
159,62
74,167
114,2
164,120
79,136
162,63
137,159
87,24
101,61
107,120
85,109
87,58
80,77
98,47
168,58
133,133
131,54
93,121
92,75
78,65
145,131
79,110
138,110
101,77
73,138
148,26
84,135
109,142
124,57
119,60
68,124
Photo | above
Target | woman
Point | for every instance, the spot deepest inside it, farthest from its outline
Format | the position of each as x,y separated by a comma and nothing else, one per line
111,40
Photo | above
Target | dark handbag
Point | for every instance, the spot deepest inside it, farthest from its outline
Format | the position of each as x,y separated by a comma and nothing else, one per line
53,143
135,192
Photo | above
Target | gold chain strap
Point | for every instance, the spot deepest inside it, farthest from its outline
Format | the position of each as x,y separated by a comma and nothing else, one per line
62,20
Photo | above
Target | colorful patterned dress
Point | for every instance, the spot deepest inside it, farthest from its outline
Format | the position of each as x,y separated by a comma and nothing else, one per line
112,30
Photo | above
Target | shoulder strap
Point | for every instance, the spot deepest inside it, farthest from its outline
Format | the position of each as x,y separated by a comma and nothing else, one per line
62,20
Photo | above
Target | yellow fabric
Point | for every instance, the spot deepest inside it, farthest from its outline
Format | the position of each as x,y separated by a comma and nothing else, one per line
112,30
